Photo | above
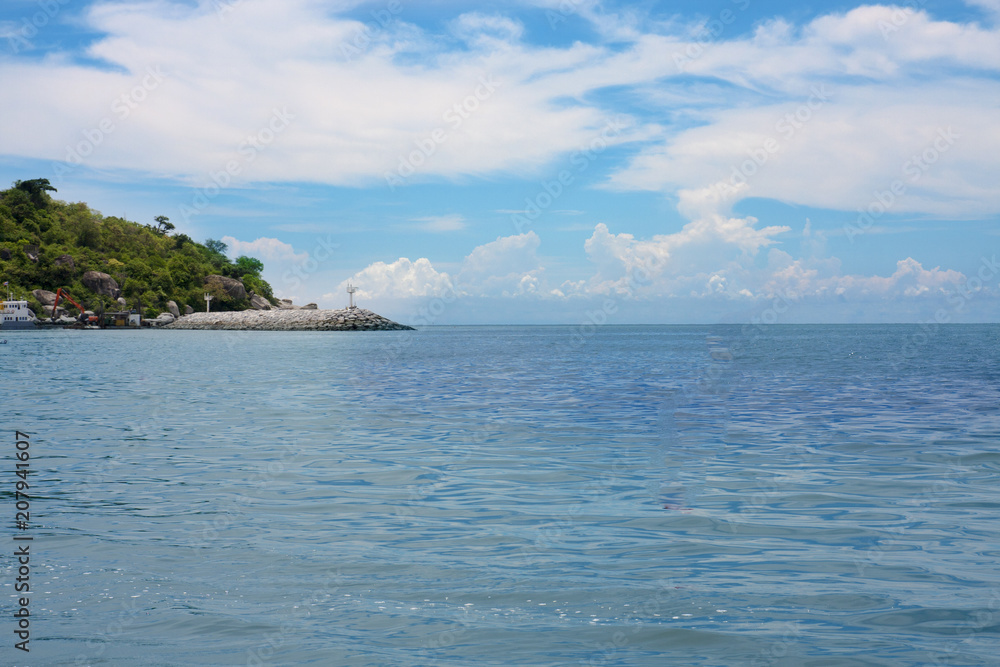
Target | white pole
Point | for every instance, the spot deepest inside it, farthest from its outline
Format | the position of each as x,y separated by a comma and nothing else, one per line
208,302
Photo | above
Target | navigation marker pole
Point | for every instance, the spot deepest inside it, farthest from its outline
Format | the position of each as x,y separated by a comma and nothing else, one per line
208,302
351,289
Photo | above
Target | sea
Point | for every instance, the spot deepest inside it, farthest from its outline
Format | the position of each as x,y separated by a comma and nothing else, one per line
503,495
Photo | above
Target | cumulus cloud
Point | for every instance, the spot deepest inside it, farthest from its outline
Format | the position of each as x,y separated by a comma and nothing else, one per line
505,267
401,279
685,261
264,249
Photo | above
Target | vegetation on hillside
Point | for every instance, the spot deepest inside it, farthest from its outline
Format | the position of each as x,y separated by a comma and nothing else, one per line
150,265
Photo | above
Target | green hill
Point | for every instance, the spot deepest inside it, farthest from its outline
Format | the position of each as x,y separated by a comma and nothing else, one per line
48,244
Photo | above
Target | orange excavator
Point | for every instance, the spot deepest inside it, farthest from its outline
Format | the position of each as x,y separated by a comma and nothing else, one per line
60,294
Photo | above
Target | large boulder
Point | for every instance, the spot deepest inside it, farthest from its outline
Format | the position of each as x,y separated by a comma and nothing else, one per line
259,302
233,288
188,310
286,304
31,250
122,303
5,253
310,306
65,260
174,310
101,283
45,297
161,320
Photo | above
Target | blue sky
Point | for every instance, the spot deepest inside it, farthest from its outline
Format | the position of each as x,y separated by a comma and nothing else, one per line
562,161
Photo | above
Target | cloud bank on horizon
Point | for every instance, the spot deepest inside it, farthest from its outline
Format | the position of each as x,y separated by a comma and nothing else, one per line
878,120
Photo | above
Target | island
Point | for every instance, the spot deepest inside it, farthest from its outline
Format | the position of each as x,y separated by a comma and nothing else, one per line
71,266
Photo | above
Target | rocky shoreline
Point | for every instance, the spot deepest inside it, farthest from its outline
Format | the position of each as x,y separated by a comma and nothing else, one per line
345,319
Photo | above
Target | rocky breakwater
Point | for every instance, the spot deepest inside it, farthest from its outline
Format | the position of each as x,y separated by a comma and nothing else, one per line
346,319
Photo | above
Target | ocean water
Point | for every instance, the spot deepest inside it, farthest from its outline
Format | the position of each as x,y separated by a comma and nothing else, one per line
689,495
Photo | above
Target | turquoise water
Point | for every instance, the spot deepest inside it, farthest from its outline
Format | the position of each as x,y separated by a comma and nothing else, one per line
717,495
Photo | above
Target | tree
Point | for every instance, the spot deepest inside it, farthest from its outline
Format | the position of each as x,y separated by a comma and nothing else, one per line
248,266
217,247
163,224
37,189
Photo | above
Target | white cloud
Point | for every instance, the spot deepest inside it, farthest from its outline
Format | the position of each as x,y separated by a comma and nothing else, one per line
672,264
219,81
488,29
990,6
876,95
895,78
505,267
264,249
502,268
401,279
442,223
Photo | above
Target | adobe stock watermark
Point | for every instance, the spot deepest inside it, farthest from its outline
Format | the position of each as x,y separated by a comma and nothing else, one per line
561,14
455,117
428,314
247,152
363,36
988,270
318,602
322,252
663,603
712,30
121,621
20,38
581,160
223,7
787,127
121,108
913,169
638,277
901,15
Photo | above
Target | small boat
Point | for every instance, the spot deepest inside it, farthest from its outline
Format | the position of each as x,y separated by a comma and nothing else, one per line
16,314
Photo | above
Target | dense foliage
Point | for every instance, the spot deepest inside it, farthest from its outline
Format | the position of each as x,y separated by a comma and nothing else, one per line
150,266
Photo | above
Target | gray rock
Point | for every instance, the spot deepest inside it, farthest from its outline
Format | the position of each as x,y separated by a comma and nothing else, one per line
101,283
259,302
65,260
31,250
122,303
188,310
233,288
286,304
285,319
45,297
5,253
310,306
174,310
161,320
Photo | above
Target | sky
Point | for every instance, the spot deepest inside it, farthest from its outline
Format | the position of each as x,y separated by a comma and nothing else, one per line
538,161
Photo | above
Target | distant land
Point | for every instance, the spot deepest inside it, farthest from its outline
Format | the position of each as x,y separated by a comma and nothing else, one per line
47,244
